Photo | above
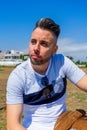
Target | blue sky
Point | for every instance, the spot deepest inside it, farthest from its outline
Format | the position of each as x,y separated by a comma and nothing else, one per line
18,17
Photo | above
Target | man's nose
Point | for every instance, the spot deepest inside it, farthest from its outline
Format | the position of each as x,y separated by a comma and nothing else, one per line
37,48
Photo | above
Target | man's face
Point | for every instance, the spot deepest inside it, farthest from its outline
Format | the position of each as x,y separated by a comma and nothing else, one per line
42,46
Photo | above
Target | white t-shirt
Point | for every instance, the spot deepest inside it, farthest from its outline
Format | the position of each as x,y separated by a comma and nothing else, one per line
25,86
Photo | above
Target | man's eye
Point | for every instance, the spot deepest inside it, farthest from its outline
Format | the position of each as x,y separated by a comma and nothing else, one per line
33,41
45,44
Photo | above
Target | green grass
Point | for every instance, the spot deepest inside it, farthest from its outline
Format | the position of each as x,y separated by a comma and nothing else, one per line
82,97
78,96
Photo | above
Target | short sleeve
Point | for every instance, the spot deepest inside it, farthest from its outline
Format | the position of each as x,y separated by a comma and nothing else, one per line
15,83
72,71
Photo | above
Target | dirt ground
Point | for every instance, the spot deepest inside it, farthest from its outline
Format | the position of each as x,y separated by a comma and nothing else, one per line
76,99
4,73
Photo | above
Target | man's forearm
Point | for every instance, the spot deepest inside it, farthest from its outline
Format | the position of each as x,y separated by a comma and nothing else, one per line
14,116
16,127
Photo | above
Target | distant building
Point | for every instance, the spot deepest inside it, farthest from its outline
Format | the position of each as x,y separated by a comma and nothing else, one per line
2,55
11,57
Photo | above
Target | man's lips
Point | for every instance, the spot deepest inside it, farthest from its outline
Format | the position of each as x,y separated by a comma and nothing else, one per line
35,56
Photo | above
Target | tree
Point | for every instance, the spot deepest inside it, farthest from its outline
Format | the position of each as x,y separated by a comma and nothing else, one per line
71,58
22,57
78,62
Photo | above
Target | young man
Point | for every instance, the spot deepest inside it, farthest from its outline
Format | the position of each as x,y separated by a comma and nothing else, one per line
37,87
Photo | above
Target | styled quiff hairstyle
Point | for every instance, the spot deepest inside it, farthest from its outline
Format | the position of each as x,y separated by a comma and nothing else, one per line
47,23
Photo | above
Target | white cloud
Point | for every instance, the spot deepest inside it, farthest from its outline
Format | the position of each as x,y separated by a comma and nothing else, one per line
69,47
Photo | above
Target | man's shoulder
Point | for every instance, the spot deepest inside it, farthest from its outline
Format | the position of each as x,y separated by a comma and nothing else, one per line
59,56
21,68
58,59
24,65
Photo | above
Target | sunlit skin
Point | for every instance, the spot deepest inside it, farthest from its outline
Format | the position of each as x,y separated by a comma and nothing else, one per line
41,48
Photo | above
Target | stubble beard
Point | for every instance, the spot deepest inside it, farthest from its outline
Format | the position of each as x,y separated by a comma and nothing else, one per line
39,62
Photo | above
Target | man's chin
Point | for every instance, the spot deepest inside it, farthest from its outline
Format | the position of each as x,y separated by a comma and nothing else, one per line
36,62
39,62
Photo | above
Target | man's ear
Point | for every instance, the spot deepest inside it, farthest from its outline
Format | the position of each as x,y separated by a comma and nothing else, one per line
55,49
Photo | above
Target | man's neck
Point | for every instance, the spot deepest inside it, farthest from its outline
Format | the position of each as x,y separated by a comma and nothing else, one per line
41,69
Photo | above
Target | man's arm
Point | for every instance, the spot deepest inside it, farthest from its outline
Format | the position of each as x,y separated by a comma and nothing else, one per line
82,84
14,115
